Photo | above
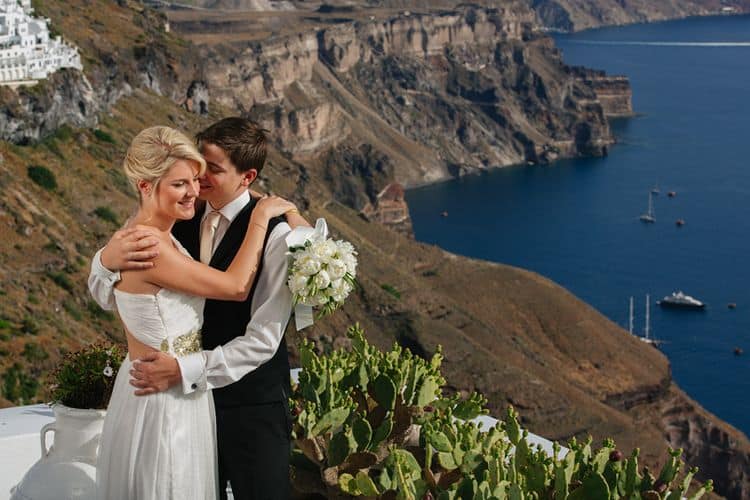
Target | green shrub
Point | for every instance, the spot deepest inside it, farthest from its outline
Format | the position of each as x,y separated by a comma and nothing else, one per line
18,386
34,352
376,425
5,324
99,313
107,214
42,176
104,136
72,309
391,290
29,325
61,280
85,378
52,247
120,181
32,298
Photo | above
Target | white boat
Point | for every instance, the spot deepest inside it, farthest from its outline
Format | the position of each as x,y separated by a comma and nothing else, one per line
647,329
649,216
681,301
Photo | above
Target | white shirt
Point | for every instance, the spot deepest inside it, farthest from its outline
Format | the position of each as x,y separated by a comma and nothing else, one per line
270,309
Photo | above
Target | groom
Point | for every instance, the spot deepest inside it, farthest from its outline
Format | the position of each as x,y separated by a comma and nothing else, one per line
245,357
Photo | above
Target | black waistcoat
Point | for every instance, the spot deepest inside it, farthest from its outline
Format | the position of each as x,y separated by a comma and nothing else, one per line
224,320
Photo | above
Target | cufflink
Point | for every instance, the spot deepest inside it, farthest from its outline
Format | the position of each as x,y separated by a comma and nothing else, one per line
194,386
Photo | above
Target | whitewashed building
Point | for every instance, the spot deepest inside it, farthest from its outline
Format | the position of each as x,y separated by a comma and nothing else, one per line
27,52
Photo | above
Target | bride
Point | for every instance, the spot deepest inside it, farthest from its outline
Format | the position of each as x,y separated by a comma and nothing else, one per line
163,446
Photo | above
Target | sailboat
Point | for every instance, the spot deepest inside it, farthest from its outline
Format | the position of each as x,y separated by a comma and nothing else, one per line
655,189
647,330
649,216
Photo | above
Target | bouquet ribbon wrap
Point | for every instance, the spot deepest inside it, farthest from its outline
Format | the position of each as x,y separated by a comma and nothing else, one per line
303,314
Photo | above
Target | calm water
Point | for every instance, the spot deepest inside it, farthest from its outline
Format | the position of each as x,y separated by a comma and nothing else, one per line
576,222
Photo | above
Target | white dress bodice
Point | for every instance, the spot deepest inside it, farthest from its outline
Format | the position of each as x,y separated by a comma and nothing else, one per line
165,315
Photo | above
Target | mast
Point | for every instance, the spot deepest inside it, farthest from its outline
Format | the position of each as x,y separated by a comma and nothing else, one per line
647,332
650,204
630,318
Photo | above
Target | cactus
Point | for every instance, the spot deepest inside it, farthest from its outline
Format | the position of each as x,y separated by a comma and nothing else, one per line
362,433
356,420
340,447
384,391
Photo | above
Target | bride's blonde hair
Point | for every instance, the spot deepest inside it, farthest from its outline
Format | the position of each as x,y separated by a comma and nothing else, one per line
153,152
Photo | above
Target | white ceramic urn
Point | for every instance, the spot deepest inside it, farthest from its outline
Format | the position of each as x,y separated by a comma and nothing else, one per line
67,469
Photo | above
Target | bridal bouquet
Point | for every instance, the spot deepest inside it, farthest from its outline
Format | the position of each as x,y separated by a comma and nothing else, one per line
322,271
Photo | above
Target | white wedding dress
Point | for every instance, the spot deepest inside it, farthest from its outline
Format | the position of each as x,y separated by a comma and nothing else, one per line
161,446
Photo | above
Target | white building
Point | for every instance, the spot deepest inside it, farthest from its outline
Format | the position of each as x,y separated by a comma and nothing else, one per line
26,50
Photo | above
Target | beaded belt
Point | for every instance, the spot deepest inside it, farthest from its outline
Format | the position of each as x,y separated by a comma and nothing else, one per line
190,343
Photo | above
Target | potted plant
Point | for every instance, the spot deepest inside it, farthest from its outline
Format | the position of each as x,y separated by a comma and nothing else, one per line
80,389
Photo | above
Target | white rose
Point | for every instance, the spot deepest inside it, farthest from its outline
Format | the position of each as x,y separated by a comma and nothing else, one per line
340,290
322,280
308,265
351,264
344,247
297,284
337,269
323,250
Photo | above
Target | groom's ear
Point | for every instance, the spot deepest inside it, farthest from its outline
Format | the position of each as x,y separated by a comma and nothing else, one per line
249,176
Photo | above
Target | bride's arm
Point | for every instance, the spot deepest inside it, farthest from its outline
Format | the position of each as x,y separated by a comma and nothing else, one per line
293,217
175,271
295,220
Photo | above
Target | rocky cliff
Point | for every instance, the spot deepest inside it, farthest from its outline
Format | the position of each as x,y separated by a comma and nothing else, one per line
124,47
432,95
576,15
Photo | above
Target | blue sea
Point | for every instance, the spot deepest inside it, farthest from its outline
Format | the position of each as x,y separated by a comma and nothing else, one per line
576,221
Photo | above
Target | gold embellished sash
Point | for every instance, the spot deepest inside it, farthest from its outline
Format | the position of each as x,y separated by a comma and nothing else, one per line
190,343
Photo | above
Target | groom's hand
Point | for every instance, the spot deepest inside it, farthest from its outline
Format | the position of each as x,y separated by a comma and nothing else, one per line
154,372
131,248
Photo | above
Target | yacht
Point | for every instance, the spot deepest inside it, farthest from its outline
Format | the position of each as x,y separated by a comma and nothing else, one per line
680,300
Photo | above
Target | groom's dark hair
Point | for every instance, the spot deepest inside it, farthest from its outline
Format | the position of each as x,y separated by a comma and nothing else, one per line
243,140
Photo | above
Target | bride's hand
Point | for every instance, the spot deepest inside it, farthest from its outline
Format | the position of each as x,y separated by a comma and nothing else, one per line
269,207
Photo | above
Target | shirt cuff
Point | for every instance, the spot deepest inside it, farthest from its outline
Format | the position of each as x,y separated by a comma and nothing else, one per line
193,370
104,274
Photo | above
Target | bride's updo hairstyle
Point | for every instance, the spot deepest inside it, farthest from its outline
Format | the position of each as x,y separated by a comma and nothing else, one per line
153,152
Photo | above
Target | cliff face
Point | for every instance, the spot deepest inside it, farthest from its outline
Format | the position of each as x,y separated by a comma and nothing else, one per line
576,15
708,442
433,95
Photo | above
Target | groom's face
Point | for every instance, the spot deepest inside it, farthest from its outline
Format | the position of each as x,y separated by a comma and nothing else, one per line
222,181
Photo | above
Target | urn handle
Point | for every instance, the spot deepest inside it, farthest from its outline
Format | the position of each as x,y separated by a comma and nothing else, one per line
47,428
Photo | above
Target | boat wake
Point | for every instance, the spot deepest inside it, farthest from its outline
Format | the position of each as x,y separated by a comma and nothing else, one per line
661,44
